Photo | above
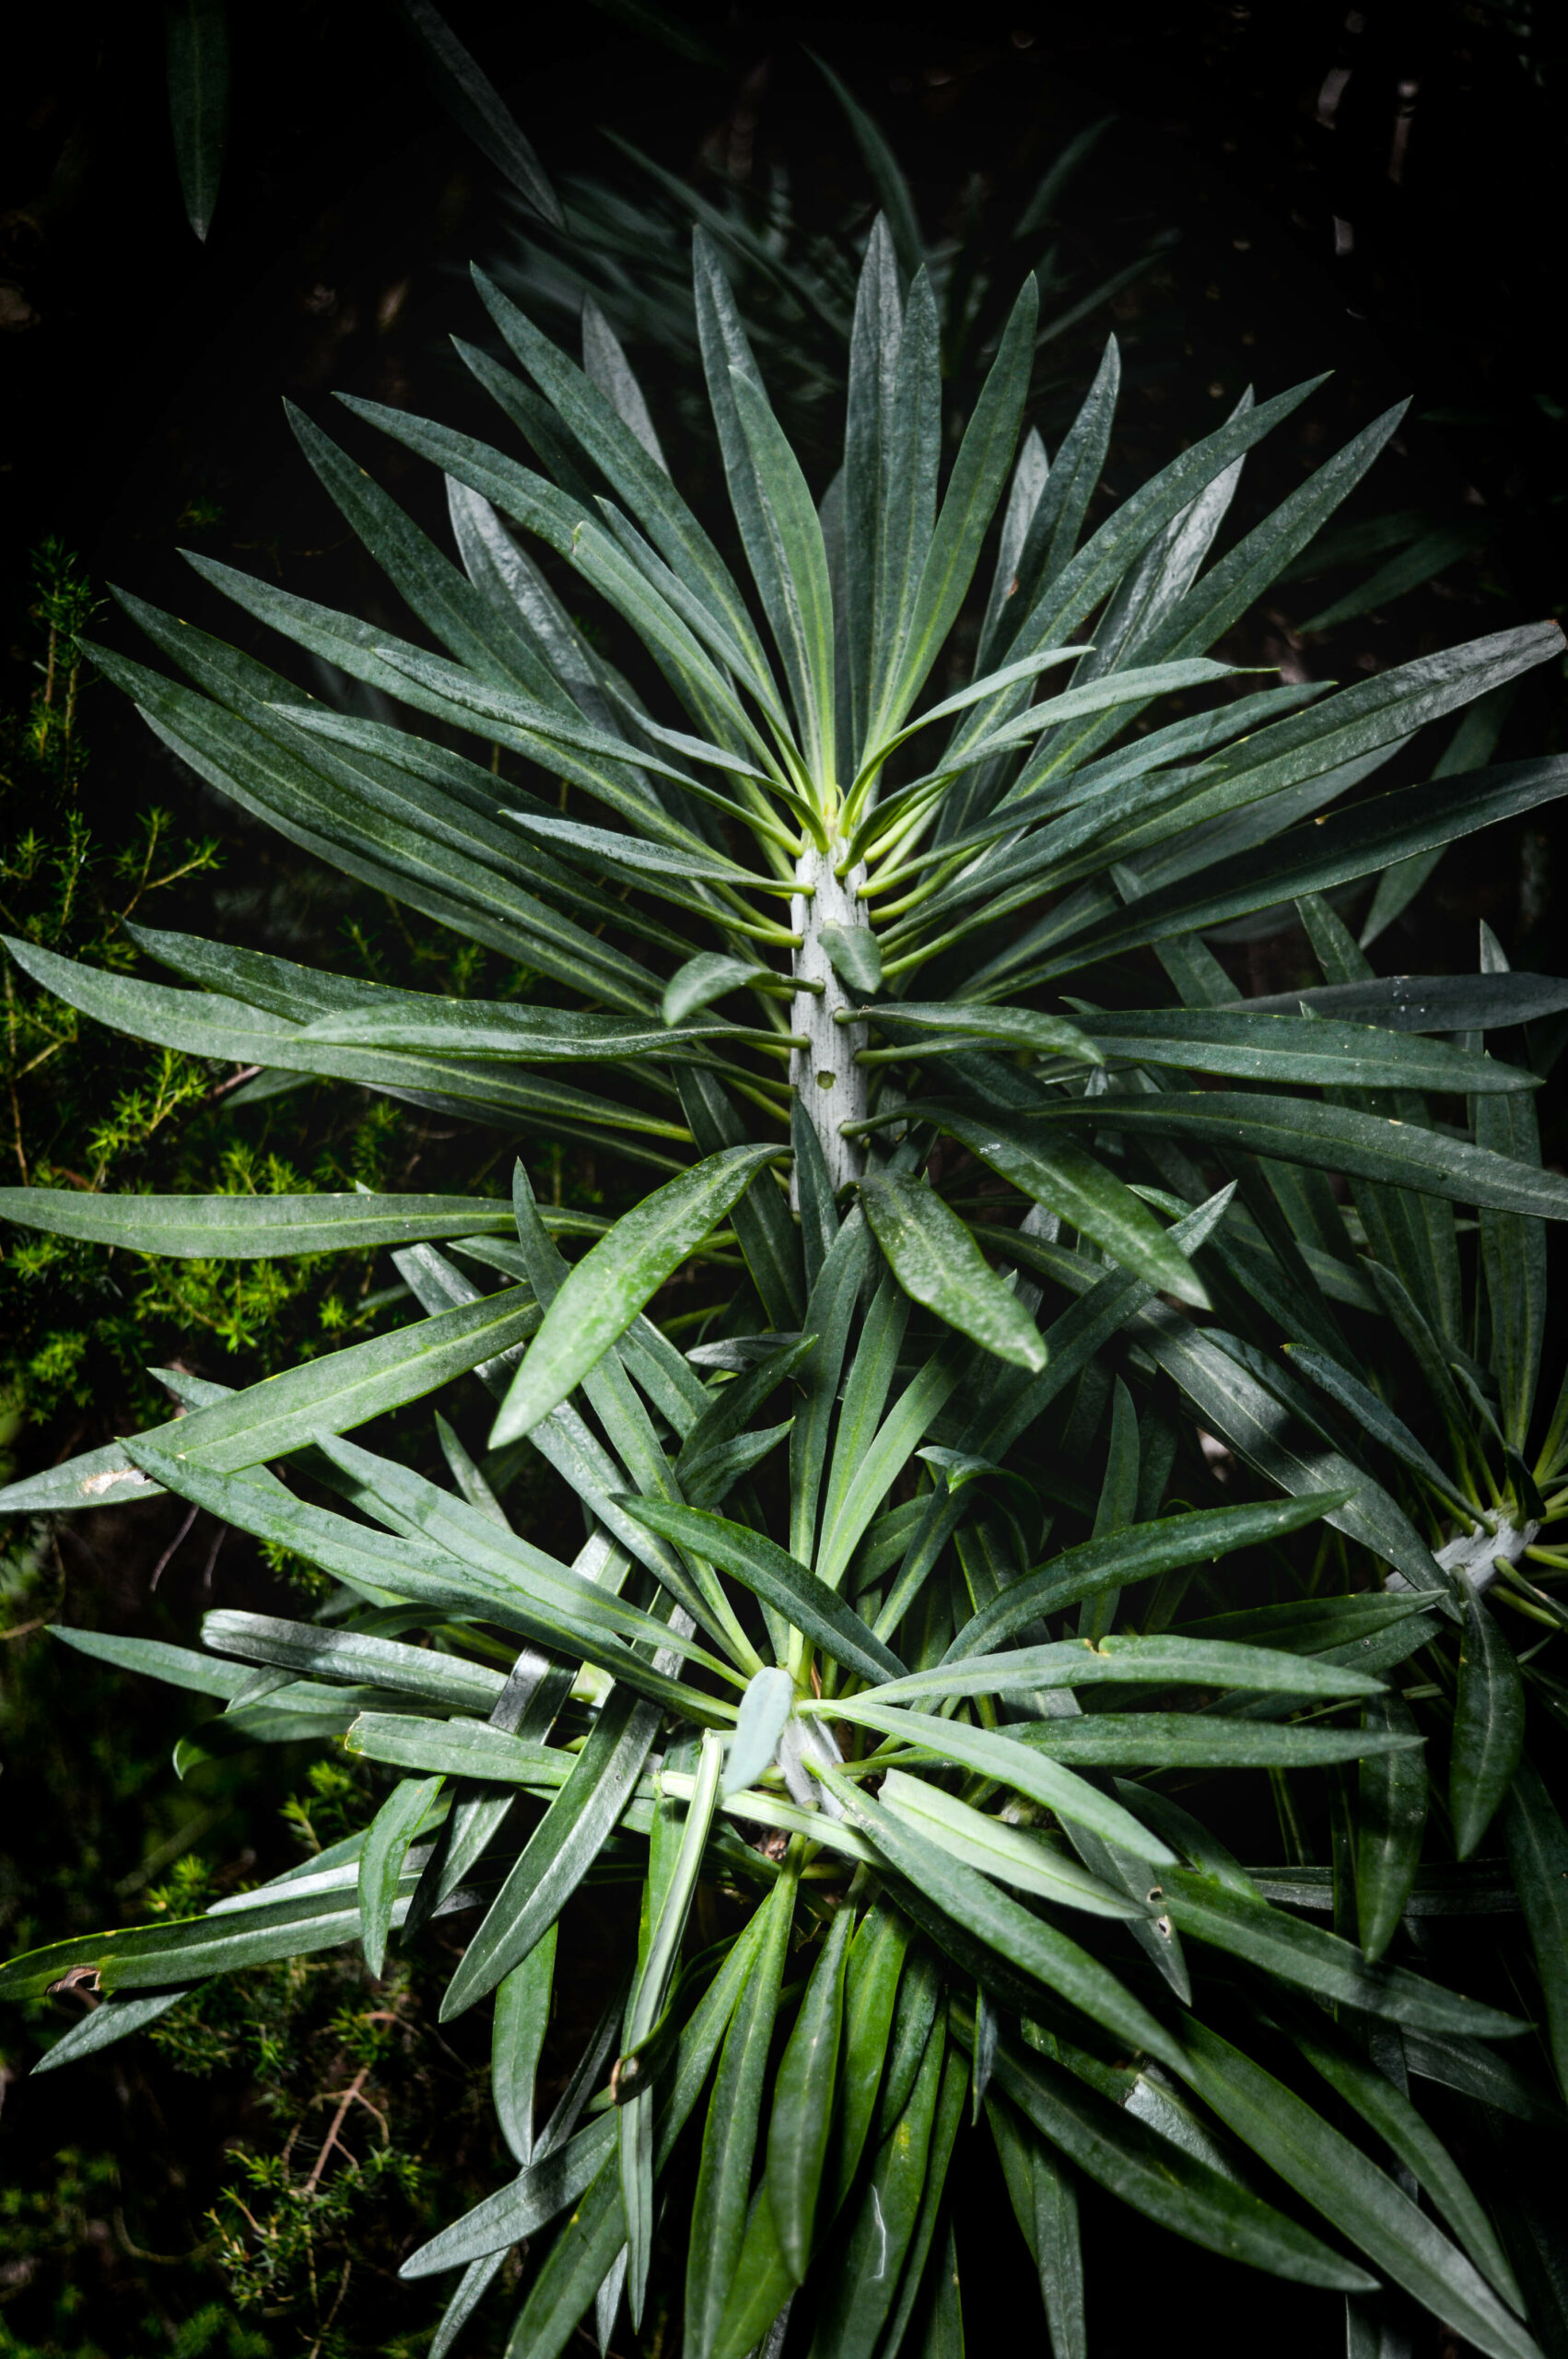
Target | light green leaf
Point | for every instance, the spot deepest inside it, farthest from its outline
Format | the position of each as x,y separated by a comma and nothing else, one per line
709,976
764,1707
317,1651
1166,1662
609,1285
517,2042
462,1748
1008,1760
1013,1855
381,1860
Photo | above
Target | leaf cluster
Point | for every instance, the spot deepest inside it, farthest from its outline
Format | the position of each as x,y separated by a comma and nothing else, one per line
1040,1409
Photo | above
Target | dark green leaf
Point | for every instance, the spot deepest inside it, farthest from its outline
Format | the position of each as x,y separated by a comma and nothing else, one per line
1537,1856
1166,1662
1181,2190
1338,849
719,2206
196,39
1322,1049
1390,1821
771,1573
561,1850
1151,1548
872,1980
1309,1625
1328,1138
474,103
972,1904
938,1263
1199,1741
978,473
113,2020
1045,2202
1321,1963
803,2103
1488,1723
1336,2177
1428,1003
233,1226
709,976
854,956
860,2292
1395,2118
1078,1187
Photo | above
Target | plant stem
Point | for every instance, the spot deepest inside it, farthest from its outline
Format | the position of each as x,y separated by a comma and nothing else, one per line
830,1085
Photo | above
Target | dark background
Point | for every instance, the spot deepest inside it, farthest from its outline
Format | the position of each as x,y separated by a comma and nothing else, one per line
1373,190
1370,191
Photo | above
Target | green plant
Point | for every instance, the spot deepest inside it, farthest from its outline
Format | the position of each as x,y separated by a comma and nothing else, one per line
837,1628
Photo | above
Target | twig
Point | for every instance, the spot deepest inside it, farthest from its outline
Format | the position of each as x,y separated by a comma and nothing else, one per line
221,1536
174,1543
326,2329
339,2117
